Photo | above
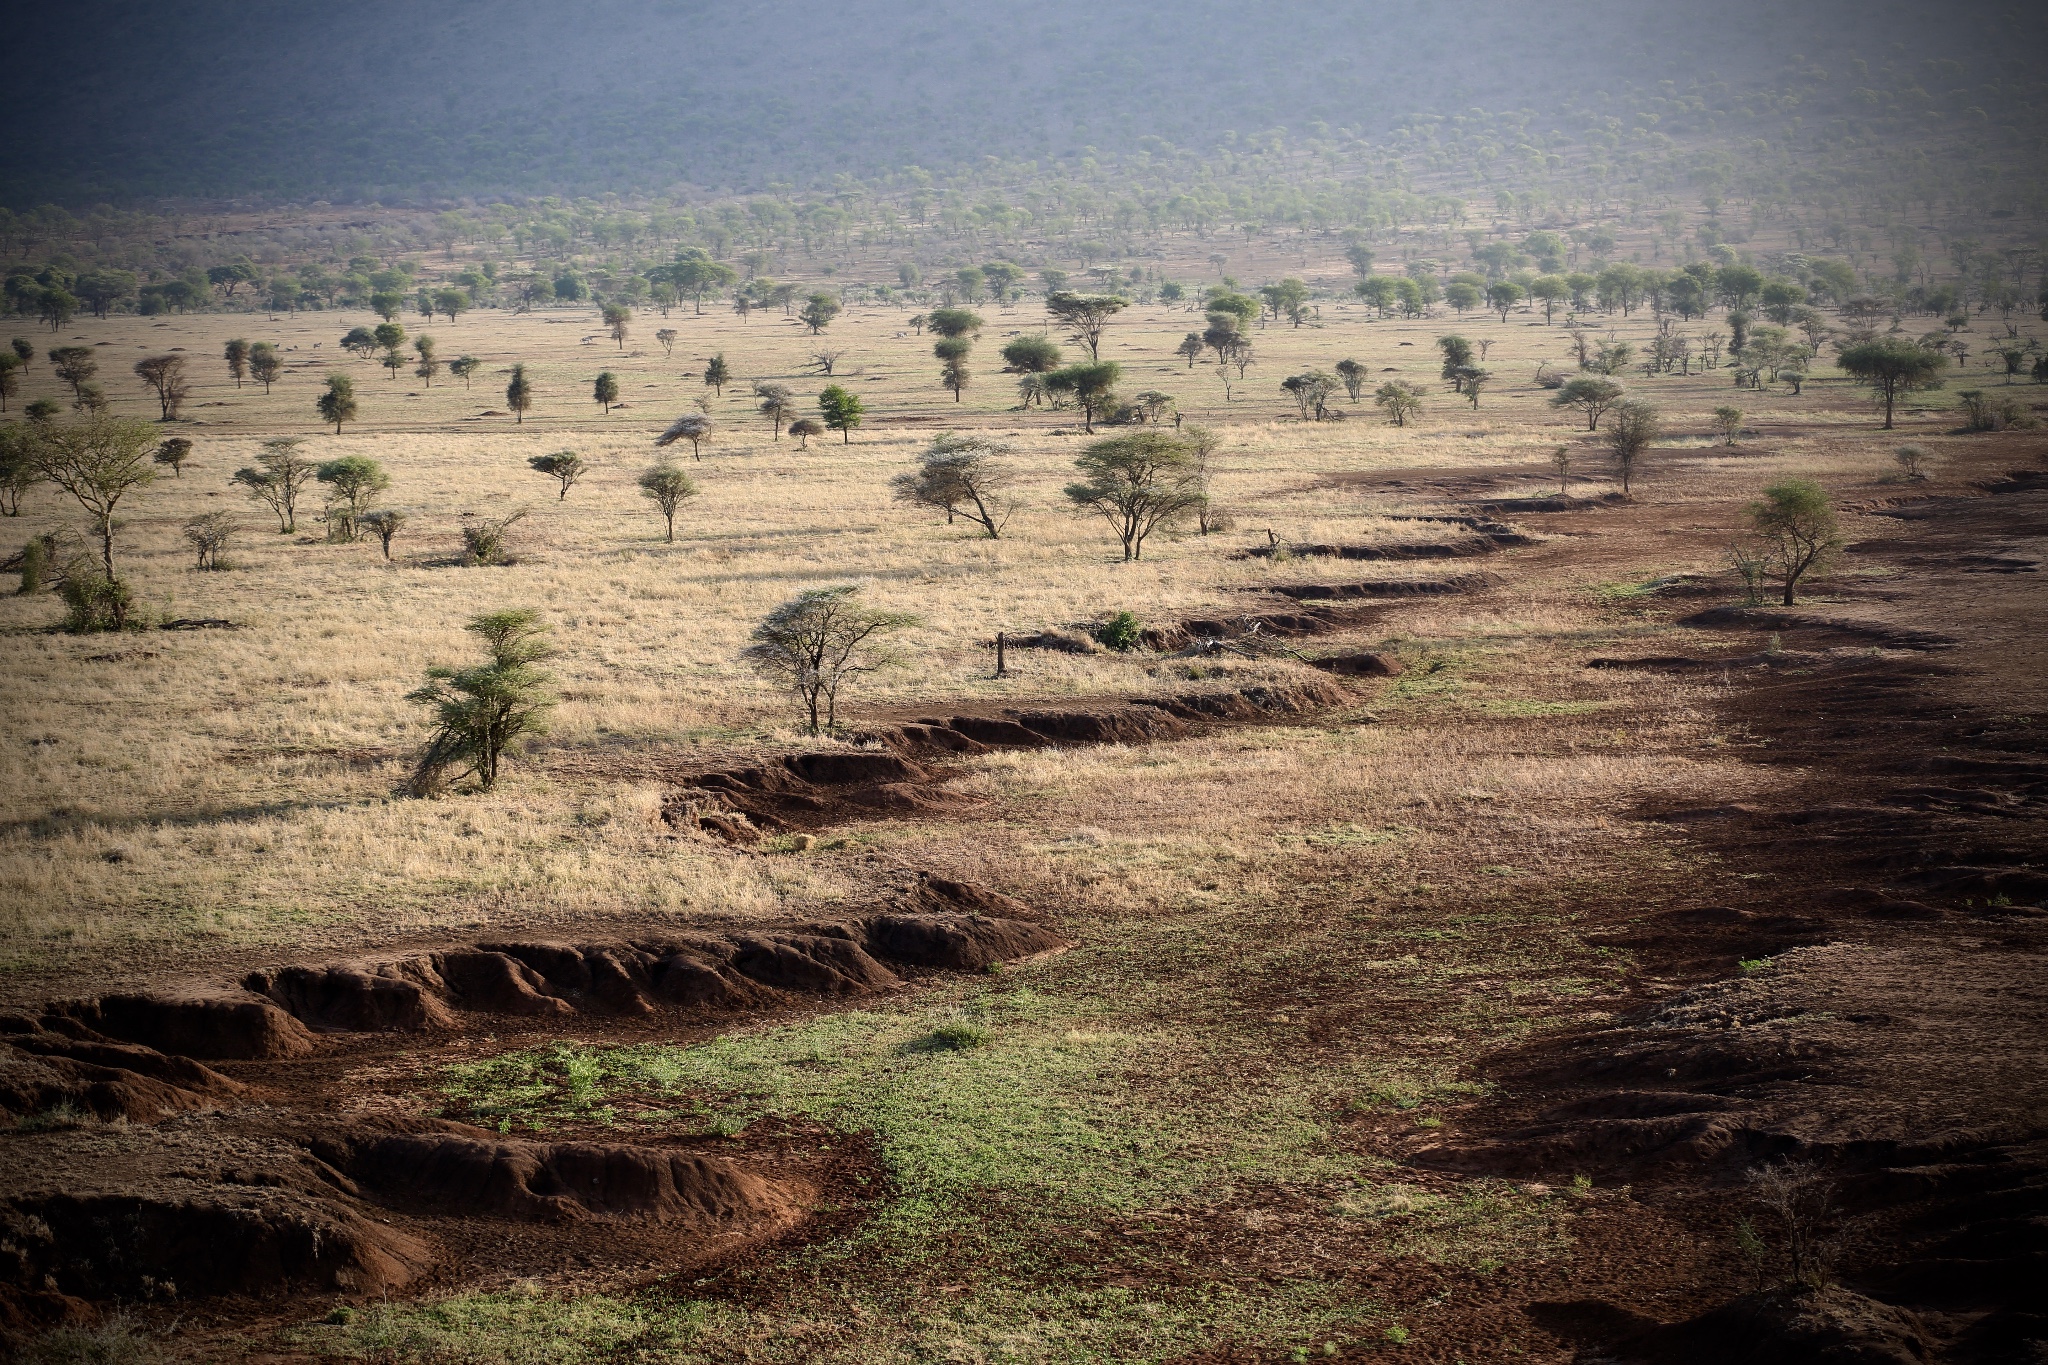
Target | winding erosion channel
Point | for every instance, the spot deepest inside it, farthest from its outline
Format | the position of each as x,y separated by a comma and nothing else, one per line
1895,878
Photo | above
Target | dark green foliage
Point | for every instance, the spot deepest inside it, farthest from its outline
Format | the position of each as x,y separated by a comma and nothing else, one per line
1122,632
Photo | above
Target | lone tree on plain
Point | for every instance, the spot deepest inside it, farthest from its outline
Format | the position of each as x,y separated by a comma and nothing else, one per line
353,483
174,453
99,462
337,404
818,312
1190,348
165,375
1457,353
464,367
804,428
960,476
717,374
483,713
519,393
618,320
276,478
1590,396
1401,401
605,391
384,525
236,353
1891,367
1728,423
1635,425
668,488
265,365
1796,522
209,534
1561,461
694,427
565,467
667,337
842,411
1913,462
1085,316
816,641
1139,484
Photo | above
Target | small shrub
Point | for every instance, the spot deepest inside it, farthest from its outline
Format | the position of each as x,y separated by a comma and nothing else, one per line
484,543
957,1035
1122,632
1913,461
93,603
35,566
211,533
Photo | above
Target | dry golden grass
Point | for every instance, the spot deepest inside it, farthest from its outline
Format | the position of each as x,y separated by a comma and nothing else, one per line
186,793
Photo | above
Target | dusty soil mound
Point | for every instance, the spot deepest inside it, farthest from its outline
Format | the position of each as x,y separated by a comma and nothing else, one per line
717,973
903,768
1381,588
1358,665
189,1208
1787,1327
60,1071
455,1169
1555,502
1485,536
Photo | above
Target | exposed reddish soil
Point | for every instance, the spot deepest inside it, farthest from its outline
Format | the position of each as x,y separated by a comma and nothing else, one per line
278,1181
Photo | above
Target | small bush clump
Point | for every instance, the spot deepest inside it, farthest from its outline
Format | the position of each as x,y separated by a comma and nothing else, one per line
1122,632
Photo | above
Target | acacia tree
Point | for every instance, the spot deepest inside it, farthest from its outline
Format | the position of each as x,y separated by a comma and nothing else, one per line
816,641
618,319
804,428
667,337
667,487
353,483
1311,391
1086,316
1457,353
1590,396
818,312
1796,522
165,375
953,372
1138,484
842,411
337,404
519,393
1090,385
173,452
1353,374
694,427
99,462
1891,367
464,367
1033,354
1635,425
959,475
429,363
1190,348
605,391
1400,401
265,365
776,401
483,713
953,322
717,374
236,353
276,478
75,365
565,467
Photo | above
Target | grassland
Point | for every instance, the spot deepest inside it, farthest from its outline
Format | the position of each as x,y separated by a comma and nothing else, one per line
1295,943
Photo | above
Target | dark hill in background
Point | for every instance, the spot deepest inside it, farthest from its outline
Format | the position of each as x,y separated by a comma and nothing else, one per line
405,101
